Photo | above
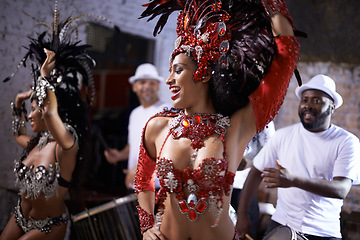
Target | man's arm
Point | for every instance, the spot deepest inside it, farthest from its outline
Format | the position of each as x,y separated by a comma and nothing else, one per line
339,187
248,192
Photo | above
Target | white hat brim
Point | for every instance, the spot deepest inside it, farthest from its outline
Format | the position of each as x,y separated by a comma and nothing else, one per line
338,100
136,78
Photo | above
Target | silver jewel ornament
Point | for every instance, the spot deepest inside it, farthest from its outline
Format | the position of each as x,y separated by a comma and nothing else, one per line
199,51
171,182
192,198
44,138
188,49
205,37
177,42
221,29
40,90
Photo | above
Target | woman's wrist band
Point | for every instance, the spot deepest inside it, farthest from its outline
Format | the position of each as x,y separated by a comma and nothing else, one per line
147,220
17,122
42,85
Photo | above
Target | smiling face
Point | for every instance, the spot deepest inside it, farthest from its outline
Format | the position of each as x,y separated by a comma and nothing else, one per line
315,110
35,117
146,90
186,93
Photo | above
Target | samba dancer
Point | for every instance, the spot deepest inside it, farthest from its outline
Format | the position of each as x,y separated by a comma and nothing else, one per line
59,118
228,78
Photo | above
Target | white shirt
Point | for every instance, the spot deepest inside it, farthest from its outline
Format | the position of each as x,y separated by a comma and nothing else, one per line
137,120
323,155
253,148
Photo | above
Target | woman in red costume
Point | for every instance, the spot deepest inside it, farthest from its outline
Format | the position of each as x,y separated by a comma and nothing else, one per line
228,77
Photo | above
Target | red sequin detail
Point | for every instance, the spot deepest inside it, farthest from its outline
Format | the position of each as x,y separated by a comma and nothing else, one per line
175,134
269,95
222,31
198,127
145,176
185,123
274,6
201,206
209,177
207,37
192,214
197,118
186,21
183,206
146,219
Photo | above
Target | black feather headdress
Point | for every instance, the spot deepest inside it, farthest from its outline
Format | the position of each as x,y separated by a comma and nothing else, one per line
72,76
73,63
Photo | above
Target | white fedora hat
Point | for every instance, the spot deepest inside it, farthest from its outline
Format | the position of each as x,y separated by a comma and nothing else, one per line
145,71
323,83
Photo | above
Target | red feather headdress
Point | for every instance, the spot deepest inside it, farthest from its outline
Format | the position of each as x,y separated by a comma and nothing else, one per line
205,30
201,28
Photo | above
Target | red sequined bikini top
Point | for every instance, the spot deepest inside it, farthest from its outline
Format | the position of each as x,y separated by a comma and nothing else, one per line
206,186
202,188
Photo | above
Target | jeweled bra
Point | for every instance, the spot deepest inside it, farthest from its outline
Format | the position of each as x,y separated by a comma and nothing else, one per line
209,181
32,182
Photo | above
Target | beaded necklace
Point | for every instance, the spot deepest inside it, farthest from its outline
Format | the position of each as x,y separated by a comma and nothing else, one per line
197,127
45,137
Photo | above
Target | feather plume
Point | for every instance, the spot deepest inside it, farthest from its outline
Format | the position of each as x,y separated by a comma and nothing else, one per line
162,8
72,59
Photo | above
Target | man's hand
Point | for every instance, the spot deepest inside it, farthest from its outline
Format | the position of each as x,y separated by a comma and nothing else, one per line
153,234
277,177
130,176
112,155
243,225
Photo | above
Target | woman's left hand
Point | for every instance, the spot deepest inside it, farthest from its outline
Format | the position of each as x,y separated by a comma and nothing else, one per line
49,63
153,234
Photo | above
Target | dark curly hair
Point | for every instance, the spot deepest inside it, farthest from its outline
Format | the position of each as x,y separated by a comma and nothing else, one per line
252,50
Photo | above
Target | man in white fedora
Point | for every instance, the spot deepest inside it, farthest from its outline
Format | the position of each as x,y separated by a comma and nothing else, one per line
145,84
312,164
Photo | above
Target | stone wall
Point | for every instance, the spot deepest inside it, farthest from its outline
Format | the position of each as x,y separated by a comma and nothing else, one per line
332,28
347,78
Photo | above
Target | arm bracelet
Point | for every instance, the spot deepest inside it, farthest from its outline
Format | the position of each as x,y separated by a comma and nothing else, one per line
146,219
75,137
42,84
277,6
17,122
